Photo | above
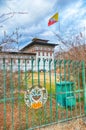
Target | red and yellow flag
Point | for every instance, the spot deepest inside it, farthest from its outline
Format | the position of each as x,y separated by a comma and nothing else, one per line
53,19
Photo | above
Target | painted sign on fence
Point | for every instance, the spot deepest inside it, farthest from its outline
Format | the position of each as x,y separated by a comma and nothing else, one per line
36,97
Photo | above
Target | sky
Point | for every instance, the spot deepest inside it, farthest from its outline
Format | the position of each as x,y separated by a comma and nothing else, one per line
31,18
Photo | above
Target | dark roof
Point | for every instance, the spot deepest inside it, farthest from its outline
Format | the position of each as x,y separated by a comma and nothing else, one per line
39,40
36,41
25,53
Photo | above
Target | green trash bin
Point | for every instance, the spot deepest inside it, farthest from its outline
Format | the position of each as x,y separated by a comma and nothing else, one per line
65,93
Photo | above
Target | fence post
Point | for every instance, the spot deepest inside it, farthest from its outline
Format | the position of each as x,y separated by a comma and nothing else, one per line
44,61
32,61
39,71
50,60
4,87
84,84
55,63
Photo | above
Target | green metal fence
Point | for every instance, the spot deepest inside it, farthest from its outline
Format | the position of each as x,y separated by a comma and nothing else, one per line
63,86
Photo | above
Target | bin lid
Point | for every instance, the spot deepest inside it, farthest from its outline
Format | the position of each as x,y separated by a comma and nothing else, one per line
64,83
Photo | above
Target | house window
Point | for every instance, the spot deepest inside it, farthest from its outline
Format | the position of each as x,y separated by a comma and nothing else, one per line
28,61
36,48
38,53
43,53
50,53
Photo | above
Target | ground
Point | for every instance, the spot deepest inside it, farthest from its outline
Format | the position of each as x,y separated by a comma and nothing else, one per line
17,115
20,112
76,124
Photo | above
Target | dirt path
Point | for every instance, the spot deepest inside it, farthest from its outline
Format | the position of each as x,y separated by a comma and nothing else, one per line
77,124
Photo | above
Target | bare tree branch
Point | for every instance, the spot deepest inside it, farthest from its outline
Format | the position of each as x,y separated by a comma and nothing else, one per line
9,40
12,15
76,47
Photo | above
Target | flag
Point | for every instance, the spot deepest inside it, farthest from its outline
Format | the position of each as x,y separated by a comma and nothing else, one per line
53,19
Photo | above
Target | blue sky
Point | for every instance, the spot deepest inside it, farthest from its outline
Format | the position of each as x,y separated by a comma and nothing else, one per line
72,18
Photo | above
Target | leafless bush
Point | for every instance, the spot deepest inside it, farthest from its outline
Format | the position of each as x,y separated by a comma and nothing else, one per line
75,47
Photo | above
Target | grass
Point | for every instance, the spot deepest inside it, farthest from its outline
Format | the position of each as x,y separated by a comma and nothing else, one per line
46,82
39,80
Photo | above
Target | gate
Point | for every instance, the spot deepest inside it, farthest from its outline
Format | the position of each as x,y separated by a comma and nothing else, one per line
31,98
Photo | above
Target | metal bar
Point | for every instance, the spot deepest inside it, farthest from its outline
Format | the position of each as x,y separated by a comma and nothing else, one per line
55,63
84,85
19,104
65,63
69,62
71,118
60,62
53,123
4,76
44,61
60,67
12,95
79,86
50,90
69,65
76,82
45,112
74,67
39,111
33,112
39,71
32,63
10,99
76,91
26,88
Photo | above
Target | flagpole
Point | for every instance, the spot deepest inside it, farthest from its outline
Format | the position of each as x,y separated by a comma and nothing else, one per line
59,23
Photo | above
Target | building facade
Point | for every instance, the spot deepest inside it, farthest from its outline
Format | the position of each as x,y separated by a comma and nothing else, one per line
17,60
43,50
39,49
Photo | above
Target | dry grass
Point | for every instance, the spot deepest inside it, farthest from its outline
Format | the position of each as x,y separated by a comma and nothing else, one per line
38,117
25,117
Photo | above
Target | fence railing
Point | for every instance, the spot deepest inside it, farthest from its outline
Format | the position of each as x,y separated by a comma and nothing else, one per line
32,96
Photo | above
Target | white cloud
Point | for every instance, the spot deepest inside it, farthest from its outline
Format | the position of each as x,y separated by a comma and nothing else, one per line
71,12
72,18
47,33
34,23
37,11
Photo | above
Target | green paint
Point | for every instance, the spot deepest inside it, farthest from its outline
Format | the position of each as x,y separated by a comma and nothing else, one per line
84,84
69,71
4,83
